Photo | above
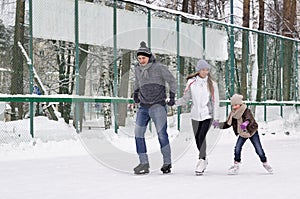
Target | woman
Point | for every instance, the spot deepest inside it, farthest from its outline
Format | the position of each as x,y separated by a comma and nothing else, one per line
203,92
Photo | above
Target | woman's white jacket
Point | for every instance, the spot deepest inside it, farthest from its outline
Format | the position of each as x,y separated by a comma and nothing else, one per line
204,104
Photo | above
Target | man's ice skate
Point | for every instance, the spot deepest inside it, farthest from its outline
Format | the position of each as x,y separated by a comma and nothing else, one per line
267,167
166,168
201,166
234,169
141,169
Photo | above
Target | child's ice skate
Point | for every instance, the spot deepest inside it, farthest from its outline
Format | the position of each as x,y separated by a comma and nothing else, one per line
234,169
268,167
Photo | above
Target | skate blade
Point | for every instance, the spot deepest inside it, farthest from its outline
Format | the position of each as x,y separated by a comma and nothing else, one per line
166,172
232,173
198,173
142,173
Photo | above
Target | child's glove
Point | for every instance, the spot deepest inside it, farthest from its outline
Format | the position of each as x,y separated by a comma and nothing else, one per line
244,125
215,123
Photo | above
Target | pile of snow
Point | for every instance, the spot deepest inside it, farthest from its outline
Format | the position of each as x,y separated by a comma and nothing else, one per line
56,138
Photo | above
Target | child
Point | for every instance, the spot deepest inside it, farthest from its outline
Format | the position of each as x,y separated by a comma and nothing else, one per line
244,126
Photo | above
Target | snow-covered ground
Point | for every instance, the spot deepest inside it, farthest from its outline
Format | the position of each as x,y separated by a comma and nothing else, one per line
61,164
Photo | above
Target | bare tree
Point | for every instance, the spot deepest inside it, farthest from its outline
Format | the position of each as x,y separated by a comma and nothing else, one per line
65,63
124,79
288,30
123,90
17,61
83,55
245,48
260,50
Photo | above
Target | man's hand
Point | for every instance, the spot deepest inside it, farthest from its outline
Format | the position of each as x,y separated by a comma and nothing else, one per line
136,96
171,100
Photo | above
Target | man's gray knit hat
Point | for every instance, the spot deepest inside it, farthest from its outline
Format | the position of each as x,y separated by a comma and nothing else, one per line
201,64
144,50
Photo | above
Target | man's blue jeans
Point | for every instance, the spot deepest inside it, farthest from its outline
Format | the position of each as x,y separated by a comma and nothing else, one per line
255,142
158,114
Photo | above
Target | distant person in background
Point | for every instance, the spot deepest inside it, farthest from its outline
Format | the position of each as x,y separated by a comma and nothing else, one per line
150,92
245,127
204,93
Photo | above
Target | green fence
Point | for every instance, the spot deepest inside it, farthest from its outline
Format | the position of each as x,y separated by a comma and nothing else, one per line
84,49
92,112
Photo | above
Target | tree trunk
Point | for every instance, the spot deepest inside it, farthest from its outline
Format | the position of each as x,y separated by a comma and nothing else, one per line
260,52
83,56
289,15
193,3
207,9
278,91
123,90
17,61
245,49
124,80
106,82
61,70
64,58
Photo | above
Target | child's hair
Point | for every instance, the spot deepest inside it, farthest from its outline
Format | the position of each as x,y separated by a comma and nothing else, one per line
209,81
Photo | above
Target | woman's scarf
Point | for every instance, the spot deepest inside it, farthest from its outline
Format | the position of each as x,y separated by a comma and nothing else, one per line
237,114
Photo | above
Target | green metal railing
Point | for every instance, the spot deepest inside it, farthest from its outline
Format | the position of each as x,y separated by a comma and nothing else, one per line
116,100
230,86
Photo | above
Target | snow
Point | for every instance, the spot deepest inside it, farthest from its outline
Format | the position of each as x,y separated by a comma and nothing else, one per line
59,163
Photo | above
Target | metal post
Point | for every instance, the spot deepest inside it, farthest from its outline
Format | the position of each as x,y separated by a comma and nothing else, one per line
149,45
227,85
204,39
178,68
265,77
227,94
115,66
76,21
231,49
281,74
296,73
247,64
31,68
149,28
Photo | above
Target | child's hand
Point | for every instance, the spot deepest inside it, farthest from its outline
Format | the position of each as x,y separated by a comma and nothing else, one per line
244,125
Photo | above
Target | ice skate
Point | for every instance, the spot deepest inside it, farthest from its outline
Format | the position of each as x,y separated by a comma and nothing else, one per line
268,167
201,166
166,168
141,169
234,169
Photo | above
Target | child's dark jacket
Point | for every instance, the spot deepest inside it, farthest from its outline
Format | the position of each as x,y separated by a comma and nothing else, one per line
251,127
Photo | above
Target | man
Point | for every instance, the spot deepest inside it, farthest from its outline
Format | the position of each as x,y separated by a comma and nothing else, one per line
150,91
